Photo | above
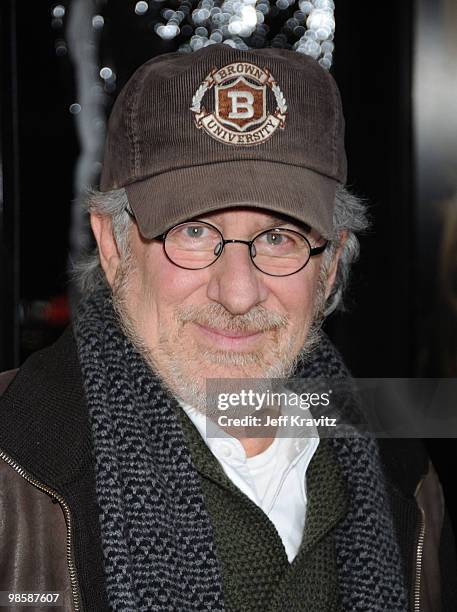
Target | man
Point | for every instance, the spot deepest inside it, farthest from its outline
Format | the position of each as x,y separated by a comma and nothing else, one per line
224,235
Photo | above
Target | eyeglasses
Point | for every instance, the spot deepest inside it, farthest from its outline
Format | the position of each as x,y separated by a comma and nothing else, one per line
195,245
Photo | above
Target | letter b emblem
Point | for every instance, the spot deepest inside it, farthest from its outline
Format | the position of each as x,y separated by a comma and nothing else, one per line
242,104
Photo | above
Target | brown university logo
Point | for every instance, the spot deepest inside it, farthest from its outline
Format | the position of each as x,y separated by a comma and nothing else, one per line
240,115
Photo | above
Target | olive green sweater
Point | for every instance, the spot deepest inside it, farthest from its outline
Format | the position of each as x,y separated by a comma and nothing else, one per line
256,574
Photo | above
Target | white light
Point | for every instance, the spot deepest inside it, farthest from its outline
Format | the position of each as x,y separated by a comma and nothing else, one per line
201,31
320,19
235,26
58,11
325,63
313,24
168,31
248,17
196,43
141,8
312,48
306,7
199,16
217,37
75,108
327,5
323,33
106,73
263,8
98,22
327,47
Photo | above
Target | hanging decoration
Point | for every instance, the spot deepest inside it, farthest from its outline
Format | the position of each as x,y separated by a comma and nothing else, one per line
307,26
242,24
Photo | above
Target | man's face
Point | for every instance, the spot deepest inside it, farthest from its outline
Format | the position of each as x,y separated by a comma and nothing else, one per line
228,320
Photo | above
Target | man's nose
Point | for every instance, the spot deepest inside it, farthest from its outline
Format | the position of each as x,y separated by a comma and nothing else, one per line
235,282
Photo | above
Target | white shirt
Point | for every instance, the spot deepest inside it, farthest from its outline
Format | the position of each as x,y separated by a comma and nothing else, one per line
275,479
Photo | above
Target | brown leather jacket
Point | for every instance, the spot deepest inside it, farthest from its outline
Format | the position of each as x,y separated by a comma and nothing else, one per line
40,543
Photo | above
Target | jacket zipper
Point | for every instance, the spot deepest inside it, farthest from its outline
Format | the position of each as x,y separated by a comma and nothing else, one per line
419,552
68,521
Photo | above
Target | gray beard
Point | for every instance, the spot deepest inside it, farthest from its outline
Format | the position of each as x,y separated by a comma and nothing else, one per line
173,371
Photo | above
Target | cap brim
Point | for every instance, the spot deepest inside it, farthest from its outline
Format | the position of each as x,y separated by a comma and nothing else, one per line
164,200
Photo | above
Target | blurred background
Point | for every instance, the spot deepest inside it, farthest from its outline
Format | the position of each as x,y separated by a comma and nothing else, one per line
61,67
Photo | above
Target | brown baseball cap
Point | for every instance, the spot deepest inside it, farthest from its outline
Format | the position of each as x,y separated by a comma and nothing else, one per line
193,133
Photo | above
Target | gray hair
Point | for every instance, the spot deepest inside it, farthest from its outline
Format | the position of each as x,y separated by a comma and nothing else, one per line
87,273
350,215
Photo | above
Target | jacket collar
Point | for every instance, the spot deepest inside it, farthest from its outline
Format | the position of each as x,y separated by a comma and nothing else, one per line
44,422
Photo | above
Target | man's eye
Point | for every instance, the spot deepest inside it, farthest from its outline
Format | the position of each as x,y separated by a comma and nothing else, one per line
275,238
278,239
195,231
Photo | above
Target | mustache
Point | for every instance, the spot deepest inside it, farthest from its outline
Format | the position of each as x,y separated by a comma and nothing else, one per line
258,319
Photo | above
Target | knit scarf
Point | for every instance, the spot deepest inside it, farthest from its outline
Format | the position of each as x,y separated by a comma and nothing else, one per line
157,539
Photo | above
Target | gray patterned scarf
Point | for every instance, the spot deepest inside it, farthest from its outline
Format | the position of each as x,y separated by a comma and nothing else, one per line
156,534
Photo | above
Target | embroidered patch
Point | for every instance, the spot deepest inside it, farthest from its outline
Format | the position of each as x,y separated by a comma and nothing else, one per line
240,115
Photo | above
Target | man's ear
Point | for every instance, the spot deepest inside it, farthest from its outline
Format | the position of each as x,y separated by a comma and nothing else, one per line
334,265
107,247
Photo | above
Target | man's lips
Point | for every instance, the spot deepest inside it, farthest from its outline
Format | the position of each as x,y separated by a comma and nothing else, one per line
229,339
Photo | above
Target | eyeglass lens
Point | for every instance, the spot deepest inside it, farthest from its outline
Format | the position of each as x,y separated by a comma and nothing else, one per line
196,245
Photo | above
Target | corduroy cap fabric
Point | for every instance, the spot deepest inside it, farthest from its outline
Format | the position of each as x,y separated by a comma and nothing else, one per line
193,133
